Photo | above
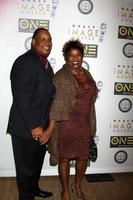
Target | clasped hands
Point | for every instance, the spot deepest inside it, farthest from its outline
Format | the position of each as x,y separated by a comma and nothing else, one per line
40,135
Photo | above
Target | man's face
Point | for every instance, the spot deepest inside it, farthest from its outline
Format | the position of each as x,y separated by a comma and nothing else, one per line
42,43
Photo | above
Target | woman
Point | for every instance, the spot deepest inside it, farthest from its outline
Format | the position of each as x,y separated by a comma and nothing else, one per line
73,115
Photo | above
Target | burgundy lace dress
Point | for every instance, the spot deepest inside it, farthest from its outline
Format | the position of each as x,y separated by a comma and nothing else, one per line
75,133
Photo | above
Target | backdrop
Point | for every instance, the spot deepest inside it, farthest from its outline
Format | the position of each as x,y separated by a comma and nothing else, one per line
105,27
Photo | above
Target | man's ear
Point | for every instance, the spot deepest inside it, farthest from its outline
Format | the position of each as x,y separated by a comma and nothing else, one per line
33,42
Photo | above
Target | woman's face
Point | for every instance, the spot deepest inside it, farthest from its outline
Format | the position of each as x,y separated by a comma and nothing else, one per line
74,59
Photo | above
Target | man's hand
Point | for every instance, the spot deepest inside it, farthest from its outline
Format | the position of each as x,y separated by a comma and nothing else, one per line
36,132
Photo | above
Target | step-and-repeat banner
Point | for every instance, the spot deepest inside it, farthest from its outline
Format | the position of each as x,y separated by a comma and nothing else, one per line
105,27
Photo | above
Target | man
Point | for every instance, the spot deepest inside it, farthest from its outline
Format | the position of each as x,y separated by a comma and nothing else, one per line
32,91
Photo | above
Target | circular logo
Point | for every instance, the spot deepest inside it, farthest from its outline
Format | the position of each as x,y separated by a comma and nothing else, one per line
85,6
85,65
103,26
52,62
54,1
128,50
99,84
27,43
120,156
125,105
96,139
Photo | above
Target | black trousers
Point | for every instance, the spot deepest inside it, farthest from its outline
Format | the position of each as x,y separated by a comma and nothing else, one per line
29,157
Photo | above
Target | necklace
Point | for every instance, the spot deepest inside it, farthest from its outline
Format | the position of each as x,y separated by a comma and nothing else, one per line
77,71
80,77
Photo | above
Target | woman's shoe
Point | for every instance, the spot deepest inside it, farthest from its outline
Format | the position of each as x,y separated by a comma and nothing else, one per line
63,195
81,197
73,188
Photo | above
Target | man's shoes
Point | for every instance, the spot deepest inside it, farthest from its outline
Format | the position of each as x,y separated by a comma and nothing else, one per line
27,199
43,194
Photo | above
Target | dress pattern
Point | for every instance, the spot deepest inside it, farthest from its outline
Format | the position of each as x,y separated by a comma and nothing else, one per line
75,133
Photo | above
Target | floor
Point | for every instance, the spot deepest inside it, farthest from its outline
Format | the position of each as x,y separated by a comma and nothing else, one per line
121,188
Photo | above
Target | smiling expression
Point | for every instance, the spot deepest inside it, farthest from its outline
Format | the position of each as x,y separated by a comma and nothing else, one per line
42,43
74,58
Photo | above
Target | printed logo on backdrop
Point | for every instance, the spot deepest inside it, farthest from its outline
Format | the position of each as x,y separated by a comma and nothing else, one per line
120,156
85,6
99,86
52,62
30,25
90,50
122,126
126,15
125,32
124,72
121,141
87,33
128,50
46,8
27,43
103,28
85,65
125,105
123,88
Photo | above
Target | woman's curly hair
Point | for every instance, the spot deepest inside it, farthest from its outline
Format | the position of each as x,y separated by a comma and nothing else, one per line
72,44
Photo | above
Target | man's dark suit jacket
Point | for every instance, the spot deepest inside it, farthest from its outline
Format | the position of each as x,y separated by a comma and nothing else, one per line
32,91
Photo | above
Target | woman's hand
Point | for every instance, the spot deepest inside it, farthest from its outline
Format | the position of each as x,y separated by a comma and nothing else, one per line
45,136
